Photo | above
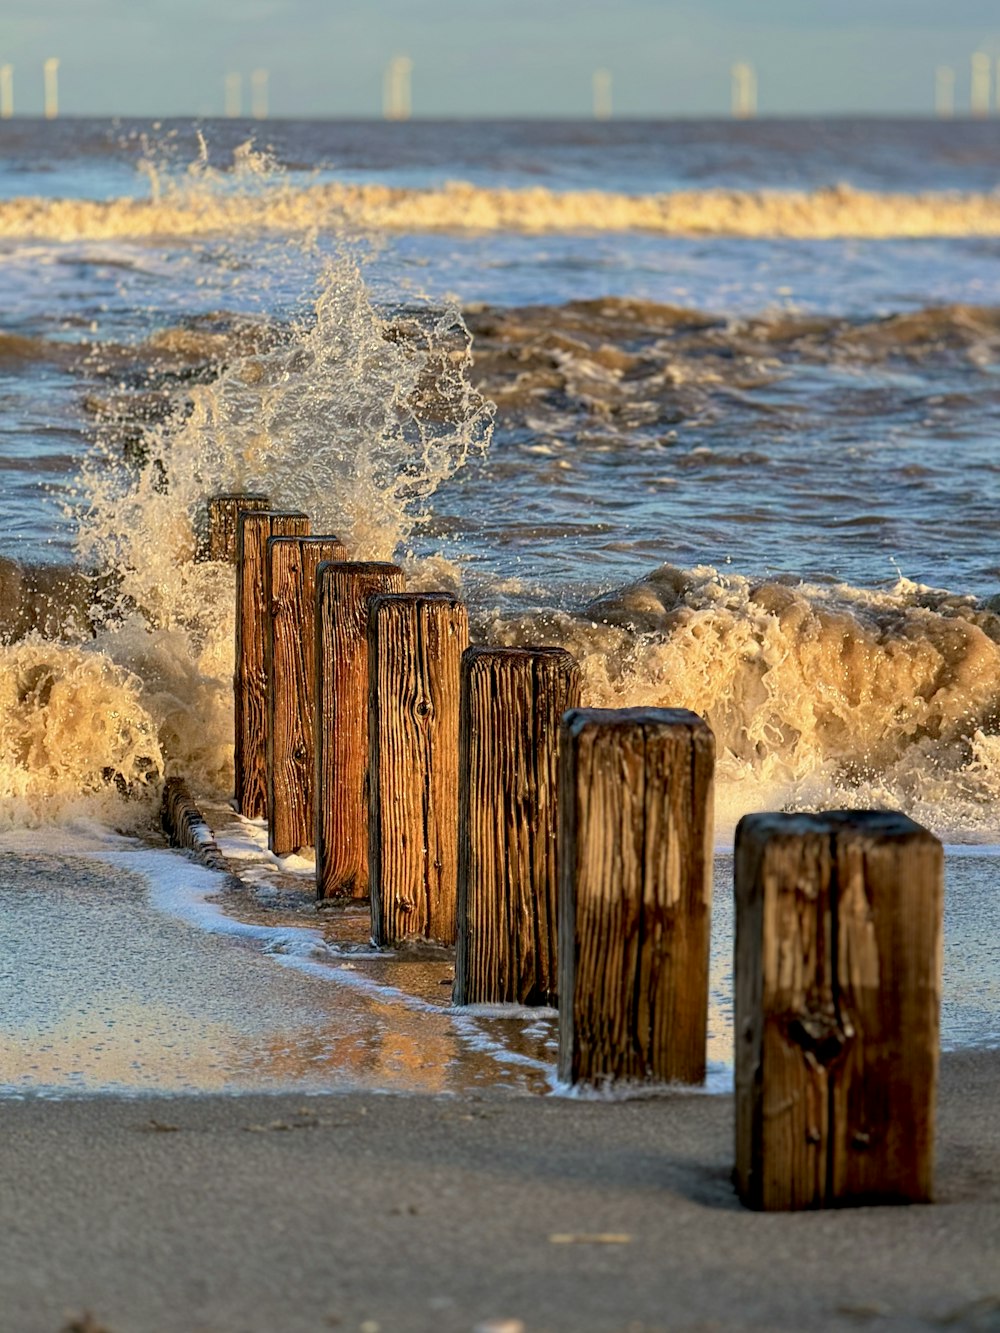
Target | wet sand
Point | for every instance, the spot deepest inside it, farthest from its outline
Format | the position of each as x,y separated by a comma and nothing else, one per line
433,1206
131,970
358,1211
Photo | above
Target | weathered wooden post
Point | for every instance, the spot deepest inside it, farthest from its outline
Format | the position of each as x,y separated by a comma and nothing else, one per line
635,880
250,676
838,969
223,513
290,660
341,798
415,646
512,702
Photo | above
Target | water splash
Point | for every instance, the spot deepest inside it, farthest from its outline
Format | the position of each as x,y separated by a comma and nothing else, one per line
351,416
351,413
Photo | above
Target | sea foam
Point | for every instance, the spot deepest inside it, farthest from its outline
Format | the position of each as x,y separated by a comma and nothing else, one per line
196,206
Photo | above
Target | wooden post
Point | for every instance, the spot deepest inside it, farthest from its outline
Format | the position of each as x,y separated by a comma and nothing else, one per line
838,971
223,513
635,894
290,661
341,797
415,646
250,677
512,702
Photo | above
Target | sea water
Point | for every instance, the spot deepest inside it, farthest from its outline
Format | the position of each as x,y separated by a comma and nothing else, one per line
712,405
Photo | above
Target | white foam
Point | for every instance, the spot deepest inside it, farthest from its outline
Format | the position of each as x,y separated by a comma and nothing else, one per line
203,202
718,1082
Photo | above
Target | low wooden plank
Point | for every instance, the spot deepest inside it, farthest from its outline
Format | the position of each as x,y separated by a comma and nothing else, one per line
415,646
290,662
838,967
512,702
343,592
635,858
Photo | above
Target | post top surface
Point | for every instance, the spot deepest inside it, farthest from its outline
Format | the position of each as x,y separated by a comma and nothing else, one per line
483,653
829,823
290,539
578,720
387,599
356,568
265,515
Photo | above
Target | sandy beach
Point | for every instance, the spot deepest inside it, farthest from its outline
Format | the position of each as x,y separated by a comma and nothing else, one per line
368,1212
360,1158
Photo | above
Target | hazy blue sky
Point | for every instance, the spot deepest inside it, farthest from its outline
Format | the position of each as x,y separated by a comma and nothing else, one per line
494,57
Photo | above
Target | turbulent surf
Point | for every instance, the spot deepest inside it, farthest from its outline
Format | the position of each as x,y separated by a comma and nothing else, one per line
752,475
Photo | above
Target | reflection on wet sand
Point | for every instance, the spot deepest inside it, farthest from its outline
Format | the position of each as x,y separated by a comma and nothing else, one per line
141,972
109,993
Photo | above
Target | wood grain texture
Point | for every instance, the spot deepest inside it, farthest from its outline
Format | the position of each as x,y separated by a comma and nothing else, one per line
250,674
290,662
222,517
635,858
838,976
341,790
415,647
512,702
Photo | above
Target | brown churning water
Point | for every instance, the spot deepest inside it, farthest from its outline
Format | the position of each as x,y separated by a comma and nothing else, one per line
723,439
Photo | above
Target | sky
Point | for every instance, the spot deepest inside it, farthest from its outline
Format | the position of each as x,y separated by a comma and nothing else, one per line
494,57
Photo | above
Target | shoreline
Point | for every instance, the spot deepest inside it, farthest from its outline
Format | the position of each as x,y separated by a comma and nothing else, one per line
409,1212
140,971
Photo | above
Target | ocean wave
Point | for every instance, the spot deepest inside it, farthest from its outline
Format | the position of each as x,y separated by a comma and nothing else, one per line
819,696
610,349
18,348
194,209
668,396
75,738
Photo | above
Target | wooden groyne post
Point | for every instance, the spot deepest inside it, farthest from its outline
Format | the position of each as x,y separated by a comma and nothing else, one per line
415,647
635,872
343,592
290,660
253,530
512,701
223,515
838,970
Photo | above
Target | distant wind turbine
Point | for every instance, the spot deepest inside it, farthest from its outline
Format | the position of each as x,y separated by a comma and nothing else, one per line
258,94
396,95
234,95
944,91
51,71
744,91
979,99
602,94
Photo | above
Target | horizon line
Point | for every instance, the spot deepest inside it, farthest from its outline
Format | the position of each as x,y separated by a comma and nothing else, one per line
725,117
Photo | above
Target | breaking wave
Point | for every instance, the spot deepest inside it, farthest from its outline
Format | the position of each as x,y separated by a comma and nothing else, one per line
196,206
818,696
75,737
